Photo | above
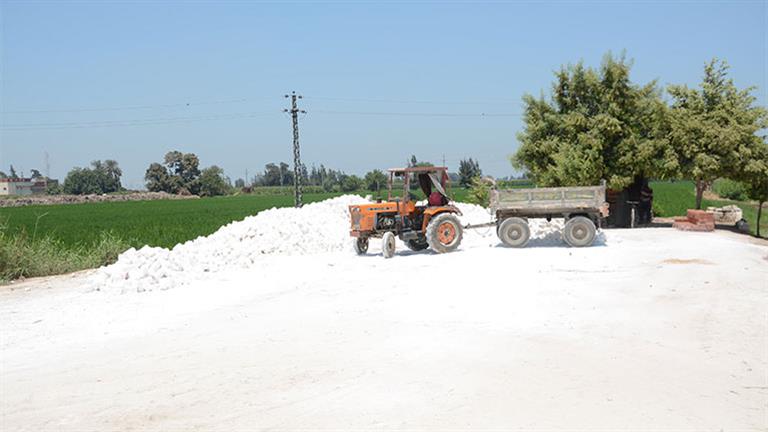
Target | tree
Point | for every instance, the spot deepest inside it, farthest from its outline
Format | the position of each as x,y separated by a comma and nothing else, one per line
13,173
213,182
272,176
3,175
113,171
179,174
109,175
239,183
755,177
351,183
82,181
468,170
375,180
54,188
102,177
286,175
157,178
596,125
35,174
714,128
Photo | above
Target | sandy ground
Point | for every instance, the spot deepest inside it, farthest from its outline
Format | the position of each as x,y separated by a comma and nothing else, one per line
655,329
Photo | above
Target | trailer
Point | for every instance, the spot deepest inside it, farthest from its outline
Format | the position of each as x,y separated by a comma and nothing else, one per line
584,209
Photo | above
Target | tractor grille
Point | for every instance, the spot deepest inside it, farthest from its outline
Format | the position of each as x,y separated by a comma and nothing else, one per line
356,218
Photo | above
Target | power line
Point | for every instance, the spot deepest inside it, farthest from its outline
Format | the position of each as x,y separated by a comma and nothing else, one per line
213,117
419,114
250,98
134,107
428,102
134,122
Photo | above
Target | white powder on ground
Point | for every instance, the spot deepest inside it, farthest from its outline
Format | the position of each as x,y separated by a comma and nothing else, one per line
321,227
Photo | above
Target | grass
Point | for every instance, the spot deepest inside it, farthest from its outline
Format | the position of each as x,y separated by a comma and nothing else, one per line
674,198
21,256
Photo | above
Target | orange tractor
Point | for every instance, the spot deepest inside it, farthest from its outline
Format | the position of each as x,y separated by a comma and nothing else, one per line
433,225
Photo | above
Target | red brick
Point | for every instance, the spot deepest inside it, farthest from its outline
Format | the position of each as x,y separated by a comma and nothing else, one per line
700,216
689,226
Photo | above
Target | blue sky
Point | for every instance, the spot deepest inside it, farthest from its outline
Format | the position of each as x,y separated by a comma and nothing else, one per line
131,81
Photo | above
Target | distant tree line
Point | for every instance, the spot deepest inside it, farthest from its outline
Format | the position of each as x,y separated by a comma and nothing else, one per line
34,174
330,180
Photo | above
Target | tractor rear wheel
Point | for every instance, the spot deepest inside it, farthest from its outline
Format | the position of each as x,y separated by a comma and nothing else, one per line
579,231
418,244
361,245
514,232
444,233
388,245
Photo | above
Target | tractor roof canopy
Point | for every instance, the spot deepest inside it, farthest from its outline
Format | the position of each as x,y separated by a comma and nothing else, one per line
428,178
417,170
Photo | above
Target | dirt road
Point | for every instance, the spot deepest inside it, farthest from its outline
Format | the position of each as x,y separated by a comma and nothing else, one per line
654,329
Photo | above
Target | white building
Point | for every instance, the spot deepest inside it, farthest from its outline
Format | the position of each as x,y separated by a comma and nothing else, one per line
22,186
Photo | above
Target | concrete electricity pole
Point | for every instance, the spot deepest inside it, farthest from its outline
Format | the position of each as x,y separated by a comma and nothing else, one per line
296,154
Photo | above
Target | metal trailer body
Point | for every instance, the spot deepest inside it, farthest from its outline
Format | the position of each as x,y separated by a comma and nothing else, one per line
583,209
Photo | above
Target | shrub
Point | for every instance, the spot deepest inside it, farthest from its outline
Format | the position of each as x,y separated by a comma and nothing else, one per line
479,191
730,189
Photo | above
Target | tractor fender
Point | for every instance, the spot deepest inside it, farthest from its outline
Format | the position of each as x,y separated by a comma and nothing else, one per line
431,212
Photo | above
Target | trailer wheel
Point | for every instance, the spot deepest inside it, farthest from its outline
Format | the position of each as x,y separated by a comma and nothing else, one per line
579,231
444,233
514,232
417,244
361,245
388,245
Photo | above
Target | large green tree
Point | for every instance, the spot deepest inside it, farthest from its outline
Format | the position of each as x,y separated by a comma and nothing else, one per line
714,128
596,125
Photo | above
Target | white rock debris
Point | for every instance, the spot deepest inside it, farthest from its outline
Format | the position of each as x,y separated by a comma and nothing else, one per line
316,228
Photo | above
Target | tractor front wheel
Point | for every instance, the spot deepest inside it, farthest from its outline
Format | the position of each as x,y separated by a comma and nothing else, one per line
444,233
361,245
388,245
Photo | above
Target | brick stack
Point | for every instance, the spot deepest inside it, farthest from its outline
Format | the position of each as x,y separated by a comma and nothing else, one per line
695,220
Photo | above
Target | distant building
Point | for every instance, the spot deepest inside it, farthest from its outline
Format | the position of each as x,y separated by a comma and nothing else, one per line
23,186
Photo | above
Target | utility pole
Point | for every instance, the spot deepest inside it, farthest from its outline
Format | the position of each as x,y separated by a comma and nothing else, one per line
296,154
